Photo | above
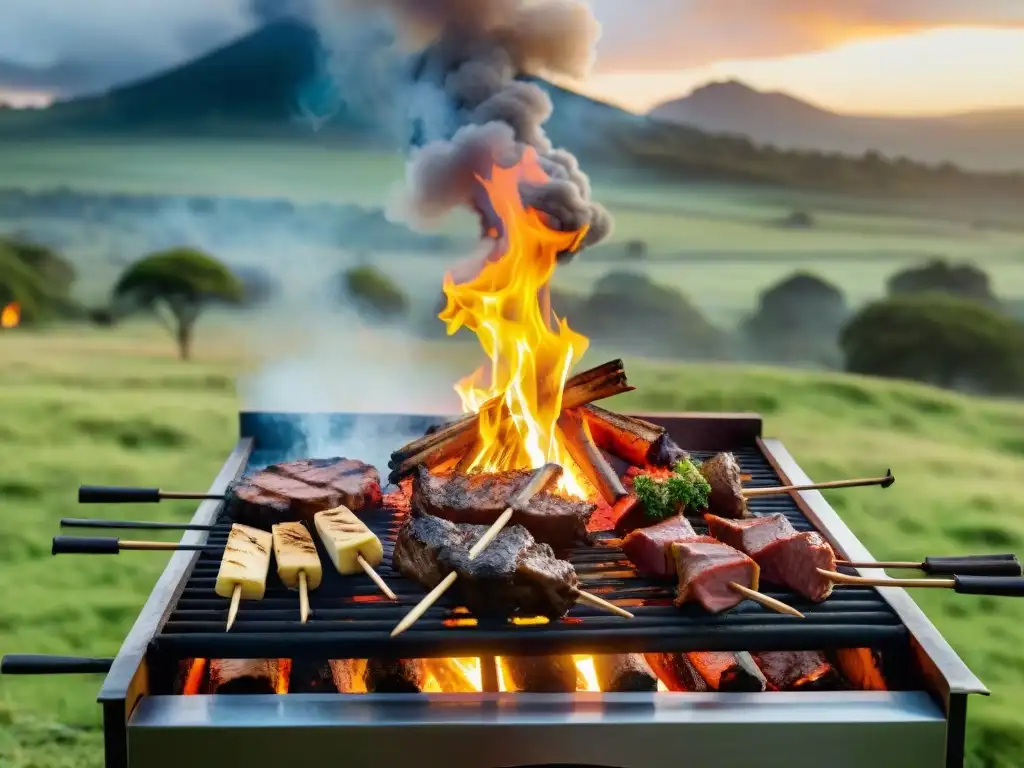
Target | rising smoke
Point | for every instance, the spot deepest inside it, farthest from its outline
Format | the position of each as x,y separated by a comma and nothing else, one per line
467,106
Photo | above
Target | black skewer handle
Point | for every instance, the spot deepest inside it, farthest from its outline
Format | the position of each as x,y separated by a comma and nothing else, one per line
37,664
113,494
974,565
84,545
74,522
995,586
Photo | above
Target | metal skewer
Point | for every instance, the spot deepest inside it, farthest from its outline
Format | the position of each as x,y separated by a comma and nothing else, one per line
116,494
965,565
884,482
86,545
997,586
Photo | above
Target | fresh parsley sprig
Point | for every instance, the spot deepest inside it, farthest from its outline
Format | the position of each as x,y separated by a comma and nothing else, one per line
685,489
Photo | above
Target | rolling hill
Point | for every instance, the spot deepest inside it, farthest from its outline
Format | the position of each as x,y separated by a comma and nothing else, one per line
988,141
251,88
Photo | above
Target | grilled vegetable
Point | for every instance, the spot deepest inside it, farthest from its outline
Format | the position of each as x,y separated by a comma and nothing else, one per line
685,489
346,537
246,562
295,552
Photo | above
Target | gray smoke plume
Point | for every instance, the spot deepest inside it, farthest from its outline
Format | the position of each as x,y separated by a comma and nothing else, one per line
468,108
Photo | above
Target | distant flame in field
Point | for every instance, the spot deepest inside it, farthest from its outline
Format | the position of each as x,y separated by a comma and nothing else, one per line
530,351
10,315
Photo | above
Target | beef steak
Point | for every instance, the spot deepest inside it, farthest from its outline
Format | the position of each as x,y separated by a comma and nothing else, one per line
648,548
514,573
480,498
297,490
706,567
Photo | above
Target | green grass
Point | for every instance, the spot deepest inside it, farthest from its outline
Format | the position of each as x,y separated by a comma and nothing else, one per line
117,408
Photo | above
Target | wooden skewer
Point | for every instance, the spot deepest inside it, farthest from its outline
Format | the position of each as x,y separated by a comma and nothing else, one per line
236,599
538,482
376,577
768,602
303,598
420,608
885,482
596,602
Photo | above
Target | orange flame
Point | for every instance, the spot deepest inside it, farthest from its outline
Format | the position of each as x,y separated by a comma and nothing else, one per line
194,679
530,354
10,315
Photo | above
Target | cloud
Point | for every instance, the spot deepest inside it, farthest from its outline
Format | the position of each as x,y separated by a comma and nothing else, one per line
681,34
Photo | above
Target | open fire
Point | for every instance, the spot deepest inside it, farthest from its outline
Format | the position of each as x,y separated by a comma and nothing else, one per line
10,315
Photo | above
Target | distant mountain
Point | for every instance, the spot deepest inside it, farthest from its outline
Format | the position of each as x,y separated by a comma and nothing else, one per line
991,140
252,88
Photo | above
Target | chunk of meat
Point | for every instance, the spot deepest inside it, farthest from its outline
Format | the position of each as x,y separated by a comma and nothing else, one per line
648,548
706,568
514,573
480,498
787,557
296,490
726,499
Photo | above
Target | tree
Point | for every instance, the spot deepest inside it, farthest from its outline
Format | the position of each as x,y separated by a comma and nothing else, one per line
35,277
180,283
374,293
939,276
941,340
798,318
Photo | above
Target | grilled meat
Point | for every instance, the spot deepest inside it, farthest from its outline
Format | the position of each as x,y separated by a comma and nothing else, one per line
786,557
514,573
726,499
648,548
706,567
297,490
479,499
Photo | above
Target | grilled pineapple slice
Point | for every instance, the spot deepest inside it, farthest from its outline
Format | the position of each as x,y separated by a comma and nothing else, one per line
295,551
346,536
246,561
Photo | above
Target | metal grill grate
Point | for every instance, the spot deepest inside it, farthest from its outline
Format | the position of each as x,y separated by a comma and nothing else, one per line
351,619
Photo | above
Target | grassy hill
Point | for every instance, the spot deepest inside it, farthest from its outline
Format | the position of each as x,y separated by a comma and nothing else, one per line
117,408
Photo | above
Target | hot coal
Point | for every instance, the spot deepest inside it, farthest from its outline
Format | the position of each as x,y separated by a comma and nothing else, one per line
297,490
480,498
513,574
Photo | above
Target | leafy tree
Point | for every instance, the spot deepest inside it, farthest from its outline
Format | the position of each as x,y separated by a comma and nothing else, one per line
35,277
374,293
940,340
798,318
939,276
177,285
50,265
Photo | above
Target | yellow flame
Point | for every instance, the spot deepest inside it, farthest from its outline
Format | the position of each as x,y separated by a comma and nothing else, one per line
585,666
10,315
530,354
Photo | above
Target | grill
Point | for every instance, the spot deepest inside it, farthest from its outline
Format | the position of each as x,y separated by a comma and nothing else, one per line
918,720
349,620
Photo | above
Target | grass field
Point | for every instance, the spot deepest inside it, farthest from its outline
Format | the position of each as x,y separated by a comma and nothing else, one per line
117,408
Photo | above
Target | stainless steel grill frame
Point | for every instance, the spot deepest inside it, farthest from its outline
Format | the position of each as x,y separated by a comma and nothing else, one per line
905,729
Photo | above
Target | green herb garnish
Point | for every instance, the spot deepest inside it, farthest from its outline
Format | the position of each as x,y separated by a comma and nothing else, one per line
687,488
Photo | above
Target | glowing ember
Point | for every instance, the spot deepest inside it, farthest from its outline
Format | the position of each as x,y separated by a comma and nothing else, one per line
10,315
194,679
530,353
284,673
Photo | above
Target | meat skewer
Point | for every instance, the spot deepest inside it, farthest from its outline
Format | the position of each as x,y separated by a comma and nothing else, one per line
994,586
244,567
297,562
672,548
541,478
351,545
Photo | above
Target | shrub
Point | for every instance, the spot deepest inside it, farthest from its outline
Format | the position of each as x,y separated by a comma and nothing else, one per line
37,278
940,340
797,319
939,276
374,293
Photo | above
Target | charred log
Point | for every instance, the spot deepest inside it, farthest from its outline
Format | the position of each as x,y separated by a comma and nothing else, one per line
862,667
798,671
633,440
624,672
580,444
676,672
243,676
542,674
728,672
394,676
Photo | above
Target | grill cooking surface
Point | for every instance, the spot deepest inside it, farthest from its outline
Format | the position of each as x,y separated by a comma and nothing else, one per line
351,619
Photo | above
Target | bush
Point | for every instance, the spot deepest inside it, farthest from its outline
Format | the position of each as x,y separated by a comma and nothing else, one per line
374,293
940,340
939,276
797,319
37,278
629,309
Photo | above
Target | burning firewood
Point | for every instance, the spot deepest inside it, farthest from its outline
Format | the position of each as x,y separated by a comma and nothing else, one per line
579,442
728,672
238,676
378,675
623,672
450,676
798,671
638,442
458,437
542,674
862,667
677,672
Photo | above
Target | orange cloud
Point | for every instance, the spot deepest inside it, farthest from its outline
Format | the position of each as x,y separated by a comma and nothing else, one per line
660,35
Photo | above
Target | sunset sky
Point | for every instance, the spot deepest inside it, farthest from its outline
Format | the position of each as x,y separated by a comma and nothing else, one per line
854,56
